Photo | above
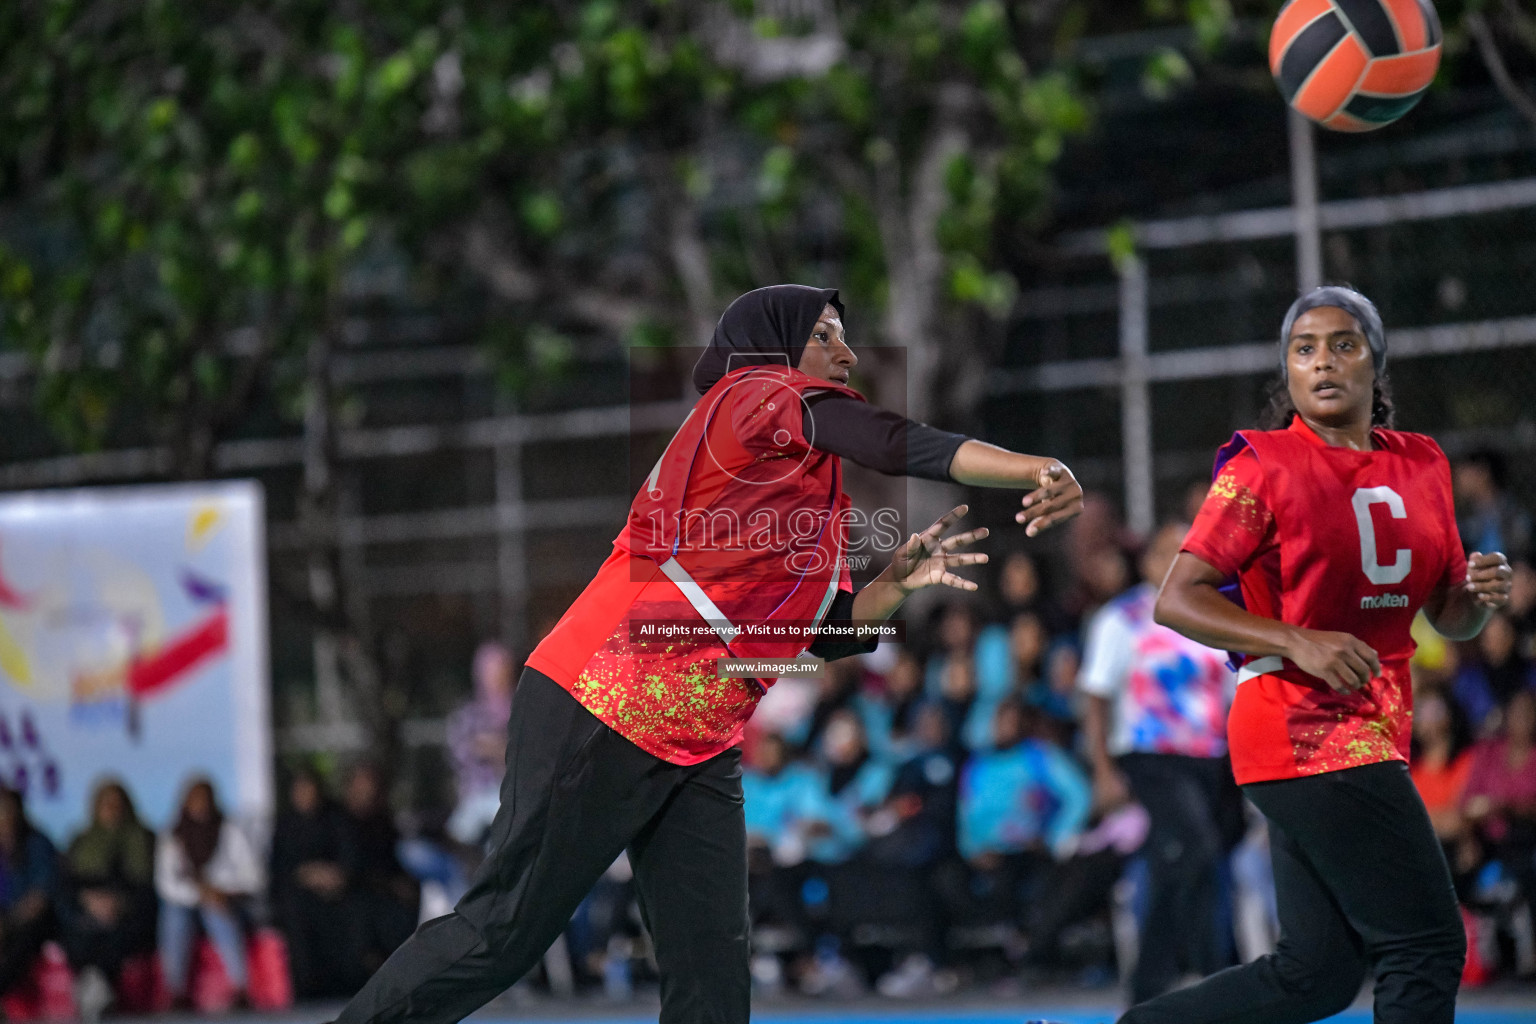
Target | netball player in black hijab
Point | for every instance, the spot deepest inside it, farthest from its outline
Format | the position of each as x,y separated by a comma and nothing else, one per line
620,744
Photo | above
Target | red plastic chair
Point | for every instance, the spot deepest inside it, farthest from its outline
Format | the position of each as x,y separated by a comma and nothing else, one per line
141,987
48,995
209,986
271,986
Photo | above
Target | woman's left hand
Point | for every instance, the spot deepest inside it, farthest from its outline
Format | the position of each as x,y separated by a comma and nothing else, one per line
1489,579
1057,497
927,557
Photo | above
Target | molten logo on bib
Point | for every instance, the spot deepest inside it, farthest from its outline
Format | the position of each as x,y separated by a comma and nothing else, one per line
1385,601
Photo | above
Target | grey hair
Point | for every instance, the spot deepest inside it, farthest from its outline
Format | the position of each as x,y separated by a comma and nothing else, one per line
1350,301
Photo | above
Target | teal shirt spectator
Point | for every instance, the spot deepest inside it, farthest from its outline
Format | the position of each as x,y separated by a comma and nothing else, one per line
776,805
994,668
844,810
1010,800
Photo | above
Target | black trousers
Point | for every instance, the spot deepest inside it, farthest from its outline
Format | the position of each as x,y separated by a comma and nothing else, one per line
1361,885
1184,849
575,795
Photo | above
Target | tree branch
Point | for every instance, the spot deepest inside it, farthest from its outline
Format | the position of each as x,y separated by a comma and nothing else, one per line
1478,28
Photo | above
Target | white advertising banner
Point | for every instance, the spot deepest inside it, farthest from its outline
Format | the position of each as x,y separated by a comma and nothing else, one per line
133,644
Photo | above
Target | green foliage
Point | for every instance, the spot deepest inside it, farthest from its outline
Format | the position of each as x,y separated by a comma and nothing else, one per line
191,189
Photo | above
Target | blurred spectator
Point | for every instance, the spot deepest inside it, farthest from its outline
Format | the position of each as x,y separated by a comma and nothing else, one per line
782,815
967,681
384,897
1096,546
477,742
1022,588
896,716
1052,694
854,783
1497,672
311,864
1501,792
840,687
1020,803
205,867
107,909
29,887
912,833
1522,608
1156,720
1194,498
1488,518
1441,766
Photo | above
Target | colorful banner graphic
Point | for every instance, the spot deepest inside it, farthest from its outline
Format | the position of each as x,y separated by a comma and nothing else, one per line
133,643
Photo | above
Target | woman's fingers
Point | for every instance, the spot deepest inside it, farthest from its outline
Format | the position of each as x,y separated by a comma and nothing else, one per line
961,539
949,579
1048,517
947,520
966,558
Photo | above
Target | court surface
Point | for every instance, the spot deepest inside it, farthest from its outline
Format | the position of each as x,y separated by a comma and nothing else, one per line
1504,1004
1512,1004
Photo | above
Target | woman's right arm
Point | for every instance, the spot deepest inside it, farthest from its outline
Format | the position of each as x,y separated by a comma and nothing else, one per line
1190,603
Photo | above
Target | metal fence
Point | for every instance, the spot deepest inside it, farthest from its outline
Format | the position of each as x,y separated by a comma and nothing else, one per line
466,519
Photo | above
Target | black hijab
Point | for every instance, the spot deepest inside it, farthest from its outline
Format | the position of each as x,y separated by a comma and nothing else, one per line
763,327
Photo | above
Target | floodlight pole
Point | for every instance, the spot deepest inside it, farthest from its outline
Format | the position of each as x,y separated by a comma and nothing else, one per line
1309,240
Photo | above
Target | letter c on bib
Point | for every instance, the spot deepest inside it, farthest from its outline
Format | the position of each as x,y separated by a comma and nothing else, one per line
1381,575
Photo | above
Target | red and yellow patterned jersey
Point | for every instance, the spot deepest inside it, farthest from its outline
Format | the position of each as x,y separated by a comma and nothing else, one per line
1328,538
742,523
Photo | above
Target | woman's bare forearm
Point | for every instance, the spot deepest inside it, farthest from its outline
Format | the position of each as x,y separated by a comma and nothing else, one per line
979,464
1201,612
1458,615
879,599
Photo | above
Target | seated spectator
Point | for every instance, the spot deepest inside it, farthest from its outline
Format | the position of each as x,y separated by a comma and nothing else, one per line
108,905
205,869
1500,800
1022,587
782,815
912,833
1020,804
1490,679
894,717
853,783
1522,608
1441,766
29,887
1488,517
310,868
383,898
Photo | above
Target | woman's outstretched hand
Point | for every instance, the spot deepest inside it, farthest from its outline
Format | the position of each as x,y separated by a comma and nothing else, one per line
1057,497
926,559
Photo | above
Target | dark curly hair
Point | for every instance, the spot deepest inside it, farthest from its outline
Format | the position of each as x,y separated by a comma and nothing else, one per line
1279,410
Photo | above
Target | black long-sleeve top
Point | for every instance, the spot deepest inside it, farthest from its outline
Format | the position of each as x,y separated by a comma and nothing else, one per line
878,438
883,441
